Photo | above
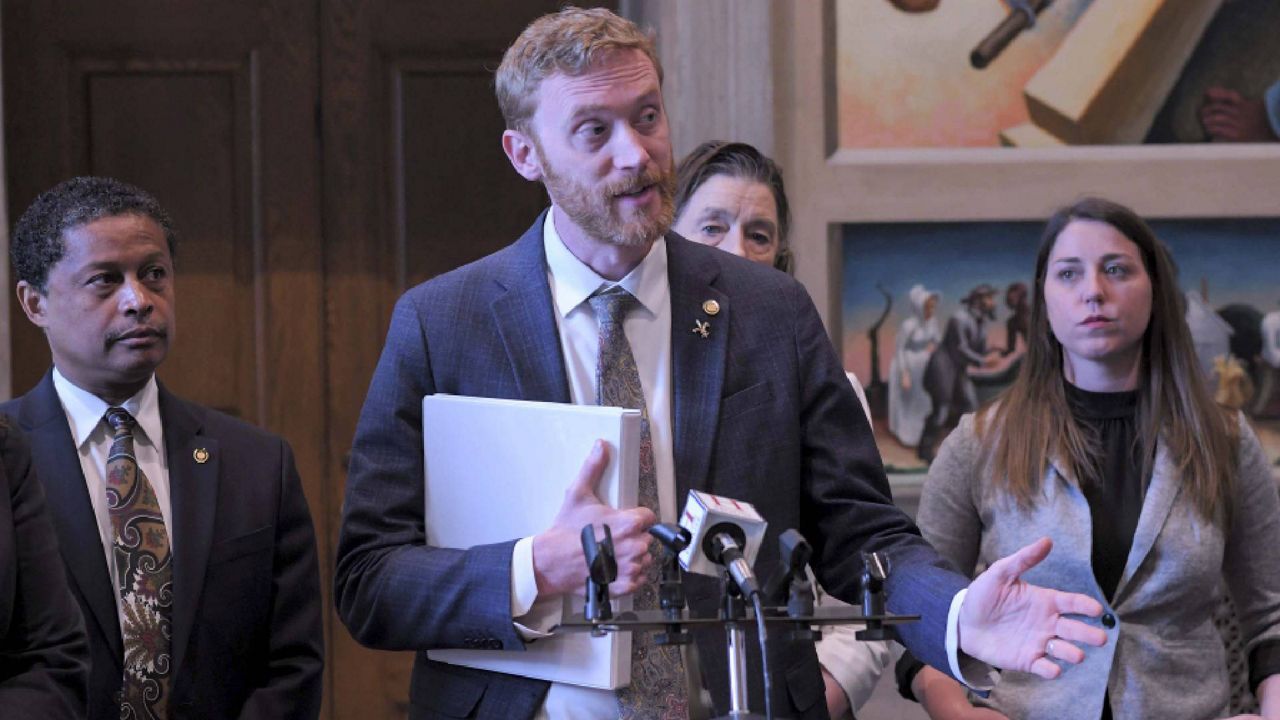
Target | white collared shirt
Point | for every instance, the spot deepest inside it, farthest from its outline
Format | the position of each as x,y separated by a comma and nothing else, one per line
648,331
93,436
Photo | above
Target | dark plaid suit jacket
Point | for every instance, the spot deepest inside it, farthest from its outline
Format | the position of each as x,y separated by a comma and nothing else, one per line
763,412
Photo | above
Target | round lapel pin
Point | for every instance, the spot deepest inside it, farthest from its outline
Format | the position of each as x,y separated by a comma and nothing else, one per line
201,455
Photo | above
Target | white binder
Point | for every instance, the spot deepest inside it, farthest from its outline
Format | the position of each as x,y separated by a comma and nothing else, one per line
497,470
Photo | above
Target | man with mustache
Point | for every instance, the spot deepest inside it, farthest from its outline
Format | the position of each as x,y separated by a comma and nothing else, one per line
186,538
946,377
741,392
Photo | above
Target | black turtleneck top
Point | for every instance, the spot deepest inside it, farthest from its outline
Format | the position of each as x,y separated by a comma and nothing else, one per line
1115,498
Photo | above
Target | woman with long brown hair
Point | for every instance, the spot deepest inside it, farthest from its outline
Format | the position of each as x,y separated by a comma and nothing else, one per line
1109,442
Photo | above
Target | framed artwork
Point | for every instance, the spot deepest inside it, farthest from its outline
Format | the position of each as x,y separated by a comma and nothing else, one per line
1228,271
986,73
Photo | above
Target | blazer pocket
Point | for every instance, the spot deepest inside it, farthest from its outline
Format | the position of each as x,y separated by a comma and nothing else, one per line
746,399
255,541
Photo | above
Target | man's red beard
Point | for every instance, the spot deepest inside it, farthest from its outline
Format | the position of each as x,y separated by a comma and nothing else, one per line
593,209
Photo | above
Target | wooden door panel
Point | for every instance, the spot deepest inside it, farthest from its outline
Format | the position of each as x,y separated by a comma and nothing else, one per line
173,131
461,198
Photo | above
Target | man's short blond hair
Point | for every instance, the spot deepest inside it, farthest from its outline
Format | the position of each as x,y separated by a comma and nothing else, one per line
567,42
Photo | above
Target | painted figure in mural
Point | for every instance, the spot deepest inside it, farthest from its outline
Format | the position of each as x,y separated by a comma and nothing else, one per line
1269,368
1110,442
917,338
1235,389
1229,116
946,377
1015,296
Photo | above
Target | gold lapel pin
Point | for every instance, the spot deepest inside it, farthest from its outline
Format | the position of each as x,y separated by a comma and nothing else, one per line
702,328
710,307
200,455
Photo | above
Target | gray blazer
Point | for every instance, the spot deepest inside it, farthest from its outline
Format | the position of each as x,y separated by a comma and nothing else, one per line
1163,657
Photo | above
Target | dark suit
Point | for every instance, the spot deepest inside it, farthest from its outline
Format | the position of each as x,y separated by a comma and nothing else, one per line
44,658
247,634
762,412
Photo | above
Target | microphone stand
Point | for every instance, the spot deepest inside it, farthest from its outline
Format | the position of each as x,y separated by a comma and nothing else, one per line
733,611
671,622
671,600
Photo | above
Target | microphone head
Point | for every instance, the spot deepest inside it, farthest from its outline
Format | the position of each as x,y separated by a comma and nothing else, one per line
713,541
794,551
673,537
703,511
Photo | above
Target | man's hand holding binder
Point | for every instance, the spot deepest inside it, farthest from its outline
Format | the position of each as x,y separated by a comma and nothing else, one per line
558,563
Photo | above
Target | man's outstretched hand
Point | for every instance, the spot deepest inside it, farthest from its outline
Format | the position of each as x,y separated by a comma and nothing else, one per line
1014,625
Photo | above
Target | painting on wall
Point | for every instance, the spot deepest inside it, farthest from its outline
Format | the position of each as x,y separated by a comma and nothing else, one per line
909,289
1045,73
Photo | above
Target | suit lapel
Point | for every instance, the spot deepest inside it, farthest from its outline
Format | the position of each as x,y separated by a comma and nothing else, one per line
1161,493
193,489
697,362
58,465
524,318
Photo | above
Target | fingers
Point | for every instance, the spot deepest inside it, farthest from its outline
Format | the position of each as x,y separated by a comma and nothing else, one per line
1222,95
634,567
1046,668
1010,568
1076,604
1060,649
1079,632
584,485
631,545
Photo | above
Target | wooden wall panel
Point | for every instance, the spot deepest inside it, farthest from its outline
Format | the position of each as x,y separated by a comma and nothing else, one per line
174,131
454,170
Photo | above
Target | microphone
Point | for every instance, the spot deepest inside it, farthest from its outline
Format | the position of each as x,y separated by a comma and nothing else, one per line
724,532
673,537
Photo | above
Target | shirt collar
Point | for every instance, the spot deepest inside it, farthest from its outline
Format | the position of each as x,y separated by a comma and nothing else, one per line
85,410
572,281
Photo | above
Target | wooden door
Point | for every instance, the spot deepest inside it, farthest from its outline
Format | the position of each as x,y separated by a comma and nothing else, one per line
212,107
416,184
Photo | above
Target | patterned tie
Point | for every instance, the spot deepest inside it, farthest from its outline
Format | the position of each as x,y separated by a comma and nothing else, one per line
145,575
657,690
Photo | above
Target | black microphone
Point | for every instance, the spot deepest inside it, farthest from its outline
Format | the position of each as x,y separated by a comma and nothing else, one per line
723,544
673,537
602,569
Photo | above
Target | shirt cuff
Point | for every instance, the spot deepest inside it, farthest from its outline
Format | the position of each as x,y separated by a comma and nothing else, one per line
1264,661
1271,99
972,672
533,617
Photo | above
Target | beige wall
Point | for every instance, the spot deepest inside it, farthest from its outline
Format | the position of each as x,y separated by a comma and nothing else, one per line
717,56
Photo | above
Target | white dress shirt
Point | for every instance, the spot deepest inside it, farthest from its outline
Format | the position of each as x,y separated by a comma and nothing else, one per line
92,436
648,330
